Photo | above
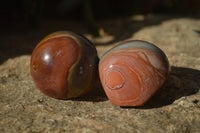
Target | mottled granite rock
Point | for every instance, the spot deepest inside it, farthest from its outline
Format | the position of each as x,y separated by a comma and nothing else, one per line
174,108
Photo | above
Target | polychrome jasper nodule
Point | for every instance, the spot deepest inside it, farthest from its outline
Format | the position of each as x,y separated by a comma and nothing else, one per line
64,65
132,72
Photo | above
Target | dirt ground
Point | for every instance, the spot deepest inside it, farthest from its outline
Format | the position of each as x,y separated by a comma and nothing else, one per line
174,108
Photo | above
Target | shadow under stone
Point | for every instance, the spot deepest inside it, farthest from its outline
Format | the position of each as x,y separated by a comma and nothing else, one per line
97,94
181,82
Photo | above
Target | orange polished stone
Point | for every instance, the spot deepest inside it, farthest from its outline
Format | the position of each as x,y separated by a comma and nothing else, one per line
60,65
132,72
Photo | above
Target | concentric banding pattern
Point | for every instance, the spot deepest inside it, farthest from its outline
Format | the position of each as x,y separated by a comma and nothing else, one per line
119,81
144,71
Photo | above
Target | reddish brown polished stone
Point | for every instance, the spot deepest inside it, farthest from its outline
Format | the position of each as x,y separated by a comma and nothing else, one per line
64,65
132,72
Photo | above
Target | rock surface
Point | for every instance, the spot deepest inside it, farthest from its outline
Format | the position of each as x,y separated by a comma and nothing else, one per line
174,108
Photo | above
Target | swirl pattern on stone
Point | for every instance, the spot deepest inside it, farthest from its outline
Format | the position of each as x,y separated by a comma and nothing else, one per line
132,72
64,65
